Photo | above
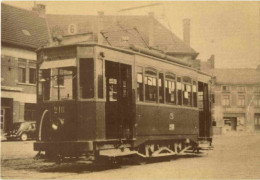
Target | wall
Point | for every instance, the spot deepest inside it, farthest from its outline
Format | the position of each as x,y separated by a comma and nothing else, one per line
21,93
244,114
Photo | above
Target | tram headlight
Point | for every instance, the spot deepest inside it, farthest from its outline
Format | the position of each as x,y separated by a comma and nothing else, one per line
54,127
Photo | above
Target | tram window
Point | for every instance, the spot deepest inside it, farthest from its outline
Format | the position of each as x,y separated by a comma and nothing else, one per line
139,85
170,86
186,87
86,78
194,90
63,83
186,94
150,86
112,89
161,88
179,91
59,80
201,99
100,78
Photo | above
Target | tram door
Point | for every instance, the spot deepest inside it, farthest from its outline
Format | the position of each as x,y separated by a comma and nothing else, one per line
204,110
118,100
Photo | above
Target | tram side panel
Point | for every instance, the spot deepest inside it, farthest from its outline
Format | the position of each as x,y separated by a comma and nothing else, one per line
156,122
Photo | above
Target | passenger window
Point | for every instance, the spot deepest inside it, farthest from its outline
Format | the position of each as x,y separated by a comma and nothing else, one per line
139,85
170,87
179,91
150,86
186,87
194,90
161,87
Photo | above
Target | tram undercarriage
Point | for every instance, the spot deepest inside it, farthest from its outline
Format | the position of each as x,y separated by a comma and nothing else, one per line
114,150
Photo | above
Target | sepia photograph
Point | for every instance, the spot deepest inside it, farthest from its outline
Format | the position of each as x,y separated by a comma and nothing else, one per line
130,89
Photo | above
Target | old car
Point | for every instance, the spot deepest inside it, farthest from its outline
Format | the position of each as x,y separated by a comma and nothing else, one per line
22,131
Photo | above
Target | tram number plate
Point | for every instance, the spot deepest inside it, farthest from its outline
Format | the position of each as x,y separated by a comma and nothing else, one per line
171,127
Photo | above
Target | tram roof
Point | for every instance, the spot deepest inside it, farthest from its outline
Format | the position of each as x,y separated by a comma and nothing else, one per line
128,51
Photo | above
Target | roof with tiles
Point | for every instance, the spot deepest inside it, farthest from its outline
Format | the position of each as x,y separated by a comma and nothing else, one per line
164,39
23,27
237,76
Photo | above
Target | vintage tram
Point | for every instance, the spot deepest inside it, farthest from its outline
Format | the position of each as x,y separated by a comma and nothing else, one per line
102,101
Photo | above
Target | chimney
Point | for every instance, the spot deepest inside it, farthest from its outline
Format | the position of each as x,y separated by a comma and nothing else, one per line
39,9
151,29
186,31
100,27
211,61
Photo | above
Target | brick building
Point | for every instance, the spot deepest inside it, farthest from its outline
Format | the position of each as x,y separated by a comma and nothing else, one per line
237,98
22,33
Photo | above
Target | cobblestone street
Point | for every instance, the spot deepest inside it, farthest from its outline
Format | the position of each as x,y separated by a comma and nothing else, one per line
233,157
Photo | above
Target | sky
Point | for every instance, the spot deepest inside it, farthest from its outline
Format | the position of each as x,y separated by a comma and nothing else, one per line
229,30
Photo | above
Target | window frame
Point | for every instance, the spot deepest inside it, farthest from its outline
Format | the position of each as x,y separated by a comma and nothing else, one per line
239,102
224,104
241,89
141,72
32,68
151,73
185,84
257,101
227,90
173,79
22,64
21,74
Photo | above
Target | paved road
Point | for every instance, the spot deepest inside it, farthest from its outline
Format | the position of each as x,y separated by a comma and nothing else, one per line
234,157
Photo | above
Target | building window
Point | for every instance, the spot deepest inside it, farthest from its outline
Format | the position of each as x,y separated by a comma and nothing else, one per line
241,100
161,87
150,86
241,89
170,87
257,119
226,100
225,88
22,70
32,75
257,101
257,89
21,74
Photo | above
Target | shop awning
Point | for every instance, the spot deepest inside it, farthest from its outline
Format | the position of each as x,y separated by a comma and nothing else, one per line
58,63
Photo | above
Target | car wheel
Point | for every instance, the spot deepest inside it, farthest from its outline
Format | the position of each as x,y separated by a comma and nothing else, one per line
24,137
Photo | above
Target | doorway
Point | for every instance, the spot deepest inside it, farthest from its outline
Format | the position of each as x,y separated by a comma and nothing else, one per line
204,110
230,123
119,113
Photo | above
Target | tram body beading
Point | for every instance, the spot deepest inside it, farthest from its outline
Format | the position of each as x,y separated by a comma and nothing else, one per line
110,116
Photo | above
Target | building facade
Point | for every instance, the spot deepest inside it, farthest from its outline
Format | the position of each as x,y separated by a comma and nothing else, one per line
22,33
236,93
